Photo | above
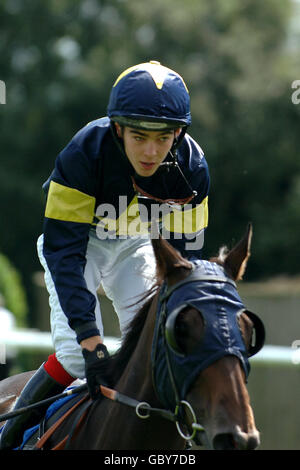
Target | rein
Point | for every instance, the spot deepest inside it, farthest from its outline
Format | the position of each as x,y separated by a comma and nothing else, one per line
47,401
149,410
138,405
143,409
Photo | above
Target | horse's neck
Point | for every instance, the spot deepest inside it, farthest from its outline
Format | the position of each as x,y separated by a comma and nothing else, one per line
136,380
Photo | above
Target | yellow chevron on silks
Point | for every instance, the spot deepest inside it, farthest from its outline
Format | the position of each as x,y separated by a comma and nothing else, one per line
69,204
157,71
134,219
129,222
187,220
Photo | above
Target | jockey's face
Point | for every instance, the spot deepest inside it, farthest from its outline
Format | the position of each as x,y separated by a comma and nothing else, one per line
146,150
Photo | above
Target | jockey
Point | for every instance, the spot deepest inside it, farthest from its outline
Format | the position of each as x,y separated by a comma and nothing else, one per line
116,176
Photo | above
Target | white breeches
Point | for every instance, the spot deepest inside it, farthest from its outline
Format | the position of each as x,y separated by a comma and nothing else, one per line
125,268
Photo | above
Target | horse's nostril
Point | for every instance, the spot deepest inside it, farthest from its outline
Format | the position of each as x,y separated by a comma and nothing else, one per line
236,441
224,441
247,441
253,442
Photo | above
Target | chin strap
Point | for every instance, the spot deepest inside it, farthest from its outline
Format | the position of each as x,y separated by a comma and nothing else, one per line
117,139
175,164
143,194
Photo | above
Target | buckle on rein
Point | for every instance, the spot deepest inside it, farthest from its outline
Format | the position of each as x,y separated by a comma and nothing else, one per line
196,427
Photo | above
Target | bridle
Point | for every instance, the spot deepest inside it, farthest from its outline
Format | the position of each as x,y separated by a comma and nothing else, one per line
166,323
143,409
180,405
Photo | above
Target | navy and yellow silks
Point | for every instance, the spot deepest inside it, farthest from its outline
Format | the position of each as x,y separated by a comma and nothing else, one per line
220,308
92,173
69,205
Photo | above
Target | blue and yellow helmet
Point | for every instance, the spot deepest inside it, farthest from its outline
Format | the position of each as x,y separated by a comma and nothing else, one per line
150,96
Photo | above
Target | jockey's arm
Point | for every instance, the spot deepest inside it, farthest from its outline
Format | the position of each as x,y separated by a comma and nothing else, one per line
91,343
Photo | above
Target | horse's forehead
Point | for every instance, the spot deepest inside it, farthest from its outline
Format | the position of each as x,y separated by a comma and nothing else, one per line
214,294
209,268
208,296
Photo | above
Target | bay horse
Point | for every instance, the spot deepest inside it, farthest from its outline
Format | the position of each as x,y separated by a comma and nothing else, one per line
184,361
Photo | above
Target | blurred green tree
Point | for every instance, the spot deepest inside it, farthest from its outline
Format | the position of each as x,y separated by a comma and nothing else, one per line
59,60
12,291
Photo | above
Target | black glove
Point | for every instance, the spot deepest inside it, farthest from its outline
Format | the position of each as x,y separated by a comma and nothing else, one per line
96,369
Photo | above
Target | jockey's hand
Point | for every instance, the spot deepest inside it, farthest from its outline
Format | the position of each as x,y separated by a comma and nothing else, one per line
96,369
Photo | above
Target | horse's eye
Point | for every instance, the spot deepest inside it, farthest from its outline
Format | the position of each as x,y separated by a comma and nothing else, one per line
181,327
189,329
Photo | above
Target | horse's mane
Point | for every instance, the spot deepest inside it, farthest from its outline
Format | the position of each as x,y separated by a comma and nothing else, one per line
120,359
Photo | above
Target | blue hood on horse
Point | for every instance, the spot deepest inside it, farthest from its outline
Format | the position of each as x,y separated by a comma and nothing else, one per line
220,307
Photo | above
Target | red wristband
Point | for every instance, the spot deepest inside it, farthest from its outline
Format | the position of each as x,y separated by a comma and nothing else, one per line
57,372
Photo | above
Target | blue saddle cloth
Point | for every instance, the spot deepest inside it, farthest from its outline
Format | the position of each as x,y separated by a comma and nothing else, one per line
53,408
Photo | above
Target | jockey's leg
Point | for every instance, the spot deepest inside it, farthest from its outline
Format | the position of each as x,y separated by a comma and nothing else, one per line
63,367
50,379
127,269
130,277
67,349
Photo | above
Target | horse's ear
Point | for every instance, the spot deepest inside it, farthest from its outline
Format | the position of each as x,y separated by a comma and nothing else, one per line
167,258
236,260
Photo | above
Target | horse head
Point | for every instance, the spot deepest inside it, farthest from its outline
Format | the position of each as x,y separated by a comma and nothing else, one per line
203,338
